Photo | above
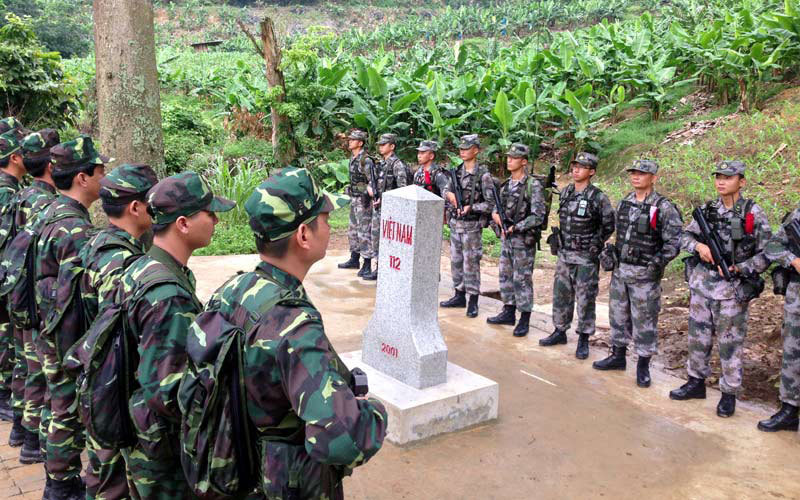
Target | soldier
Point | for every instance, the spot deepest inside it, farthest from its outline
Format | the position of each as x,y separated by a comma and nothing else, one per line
466,226
123,195
392,173
294,373
11,171
429,175
715,304
359,231
183,210
648,237
29,382
77,170
523,203
780,250
586,221
12,124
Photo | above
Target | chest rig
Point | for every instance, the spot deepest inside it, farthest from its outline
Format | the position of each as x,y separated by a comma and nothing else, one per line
637,241
471,194
579,225
739,245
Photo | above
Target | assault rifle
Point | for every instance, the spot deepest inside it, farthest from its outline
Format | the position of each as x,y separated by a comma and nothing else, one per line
714,244
550,181
358,382
373,181
501,211
453,172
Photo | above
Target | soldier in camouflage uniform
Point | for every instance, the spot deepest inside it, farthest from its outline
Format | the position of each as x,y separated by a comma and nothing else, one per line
183,210
11,124
359,231
391,173
429,175
77,170
11,171
586,221
523,203
648,237
717,306
466,226
103,259
787,255
296,385
29,382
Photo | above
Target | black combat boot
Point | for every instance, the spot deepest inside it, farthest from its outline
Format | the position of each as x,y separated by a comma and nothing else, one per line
472,306
785,420
6,413
352,263
17,435
506,317
67,489
643,371
695,388
371,275
31,452
457,300
365,268
726,405
557,337
524,324
615,360
582,351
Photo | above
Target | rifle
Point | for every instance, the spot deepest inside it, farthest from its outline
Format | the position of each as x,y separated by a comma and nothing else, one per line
793,233
373,181
456,188
550,182
714,244
501,211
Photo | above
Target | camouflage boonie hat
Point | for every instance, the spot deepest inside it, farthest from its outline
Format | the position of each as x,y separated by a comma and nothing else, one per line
287,199
646,166
9,144
469,140
586,159
183,194
387,139
12,124
358,135
126,182
38,144
428,146
74,154
730,168
518,150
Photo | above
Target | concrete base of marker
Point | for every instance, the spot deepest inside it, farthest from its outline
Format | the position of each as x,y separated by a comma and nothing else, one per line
466,399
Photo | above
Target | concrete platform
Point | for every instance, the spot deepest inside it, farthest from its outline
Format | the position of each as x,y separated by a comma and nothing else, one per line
466,399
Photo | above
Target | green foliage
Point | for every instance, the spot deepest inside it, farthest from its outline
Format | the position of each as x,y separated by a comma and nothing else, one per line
235,182
32,83
250,148
230,239
63,26
186,133
332,176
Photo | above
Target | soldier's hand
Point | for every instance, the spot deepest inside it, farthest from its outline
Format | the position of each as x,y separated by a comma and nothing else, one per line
451,198
704,252
796,264
496,219
510,230
369,191
466,209
376,203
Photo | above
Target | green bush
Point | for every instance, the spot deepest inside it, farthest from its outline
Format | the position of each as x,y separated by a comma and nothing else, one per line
178,150
230,239
250,149
235,182
63,26
186,133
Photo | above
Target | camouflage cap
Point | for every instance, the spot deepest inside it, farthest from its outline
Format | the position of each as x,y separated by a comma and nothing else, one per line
38,144
12,124
75,154
183,194
285,200
586,159
9,144
126,182
387,139
646,166
358,135
730,168
518,150
428,146
469,140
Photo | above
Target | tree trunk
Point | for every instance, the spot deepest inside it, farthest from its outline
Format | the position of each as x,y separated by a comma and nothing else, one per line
282,143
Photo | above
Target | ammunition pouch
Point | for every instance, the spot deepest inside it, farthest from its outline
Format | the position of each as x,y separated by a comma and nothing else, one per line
609,259
752,287
781,276
689,263
554,240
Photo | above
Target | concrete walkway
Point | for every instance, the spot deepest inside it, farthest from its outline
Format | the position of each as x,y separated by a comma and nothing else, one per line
564,430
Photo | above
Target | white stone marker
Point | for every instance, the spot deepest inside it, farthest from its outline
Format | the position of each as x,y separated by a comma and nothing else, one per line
404,354
403,339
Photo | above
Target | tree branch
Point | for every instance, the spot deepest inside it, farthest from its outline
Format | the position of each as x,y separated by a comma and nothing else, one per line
246,31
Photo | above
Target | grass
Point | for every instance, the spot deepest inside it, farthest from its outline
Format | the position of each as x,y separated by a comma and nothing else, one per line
230,239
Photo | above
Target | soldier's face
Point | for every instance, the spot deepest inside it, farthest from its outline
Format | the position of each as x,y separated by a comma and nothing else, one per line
424,157
727,185
642,180
515,164
200,228
353,144
92,182
580,173
320,237
468,154
385,149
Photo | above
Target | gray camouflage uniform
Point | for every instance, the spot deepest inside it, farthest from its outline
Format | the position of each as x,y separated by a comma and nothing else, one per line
391,175
713,305
577,269
778,250
635,294
359,231
466,245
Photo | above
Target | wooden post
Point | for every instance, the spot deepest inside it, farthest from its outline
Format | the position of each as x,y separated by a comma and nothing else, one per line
282,140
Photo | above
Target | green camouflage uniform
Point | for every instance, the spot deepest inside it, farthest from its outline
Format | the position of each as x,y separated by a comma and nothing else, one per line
524,206
103,259
359,231
296,385
779,250
11,124
30,202
66,229
160,319
714,305
9,186
391,174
